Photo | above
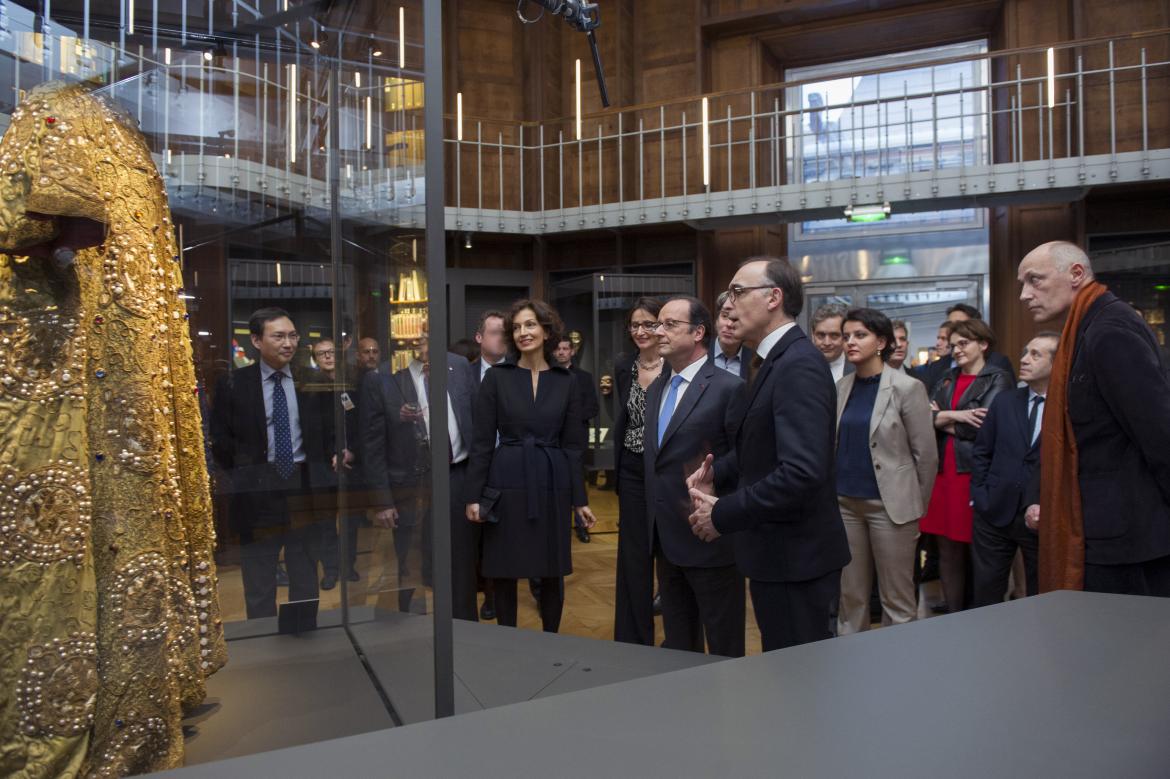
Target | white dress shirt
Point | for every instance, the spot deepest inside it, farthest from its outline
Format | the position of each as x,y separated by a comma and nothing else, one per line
771,339
688,375
459,449
837,366
294,411
484,365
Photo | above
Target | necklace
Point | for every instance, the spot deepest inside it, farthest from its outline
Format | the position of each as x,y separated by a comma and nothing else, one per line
649,366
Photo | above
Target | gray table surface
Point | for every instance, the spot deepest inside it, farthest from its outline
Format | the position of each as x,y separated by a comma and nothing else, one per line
1066,684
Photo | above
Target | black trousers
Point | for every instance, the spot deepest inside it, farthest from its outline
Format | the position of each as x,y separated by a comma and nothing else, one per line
330,545
465,546
268,525
993,550
413,535
702,601
792,613
552,602
633,619
1149,578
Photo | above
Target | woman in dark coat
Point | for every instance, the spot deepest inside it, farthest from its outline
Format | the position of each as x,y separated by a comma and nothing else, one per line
524,486
633,620
960,401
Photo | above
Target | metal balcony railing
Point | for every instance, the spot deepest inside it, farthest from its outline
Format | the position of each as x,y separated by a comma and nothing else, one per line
1040,123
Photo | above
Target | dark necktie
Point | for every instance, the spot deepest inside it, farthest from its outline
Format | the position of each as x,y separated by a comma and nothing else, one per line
281,431
427,410
1033,417
754,369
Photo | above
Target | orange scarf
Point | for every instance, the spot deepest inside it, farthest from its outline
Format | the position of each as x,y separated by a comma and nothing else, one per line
1062,531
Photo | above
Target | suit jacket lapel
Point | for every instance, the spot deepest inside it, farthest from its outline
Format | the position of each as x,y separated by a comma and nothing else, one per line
650,418
252,387
884,395
777,350
843,391
686,404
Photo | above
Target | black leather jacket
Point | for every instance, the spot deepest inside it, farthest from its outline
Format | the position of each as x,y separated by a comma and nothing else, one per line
990,382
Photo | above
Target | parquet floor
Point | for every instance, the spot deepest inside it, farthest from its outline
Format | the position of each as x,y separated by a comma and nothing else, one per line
589,591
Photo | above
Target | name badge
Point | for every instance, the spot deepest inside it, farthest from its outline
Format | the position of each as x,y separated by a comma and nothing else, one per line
346,403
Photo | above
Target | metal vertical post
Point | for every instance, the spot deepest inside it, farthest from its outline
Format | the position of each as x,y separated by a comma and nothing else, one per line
580,173
684,154
729,182
1081,108
500,146
522,169
641,160
561,169
934,118
752,141
1067,122
962,126
1015,158
436,314
1112,108
621,171
600,170
776,139
478,161
662,152
1145,116
1019,137
1040,120
540,141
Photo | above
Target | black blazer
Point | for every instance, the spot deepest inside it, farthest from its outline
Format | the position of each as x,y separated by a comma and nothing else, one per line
590,405
933,373
705,422
239,432
623,377
1119,405
1005,465
746,354
783,510
990,382
393,448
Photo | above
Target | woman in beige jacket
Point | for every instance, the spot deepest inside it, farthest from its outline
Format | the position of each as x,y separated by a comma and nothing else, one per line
886,464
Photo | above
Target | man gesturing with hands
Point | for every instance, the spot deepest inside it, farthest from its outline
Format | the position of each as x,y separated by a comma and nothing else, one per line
777,487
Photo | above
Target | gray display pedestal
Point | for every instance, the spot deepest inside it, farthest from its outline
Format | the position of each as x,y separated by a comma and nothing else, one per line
1066,684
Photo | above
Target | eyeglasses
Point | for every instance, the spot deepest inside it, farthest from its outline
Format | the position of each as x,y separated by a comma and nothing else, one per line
668,324
646,326
280,338
735,290
961,344
324,353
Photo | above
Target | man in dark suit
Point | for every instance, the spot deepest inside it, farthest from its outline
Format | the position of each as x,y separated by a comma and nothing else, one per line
267,436
692,410
395,423
1005,477
777,487
828,323
493,346
934,372
1110,387
727,349
590,408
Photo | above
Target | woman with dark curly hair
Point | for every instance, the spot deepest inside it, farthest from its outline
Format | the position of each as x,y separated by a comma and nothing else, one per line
524,486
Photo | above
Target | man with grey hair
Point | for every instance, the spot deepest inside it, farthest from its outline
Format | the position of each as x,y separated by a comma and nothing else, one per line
728,351
827,323
1104,512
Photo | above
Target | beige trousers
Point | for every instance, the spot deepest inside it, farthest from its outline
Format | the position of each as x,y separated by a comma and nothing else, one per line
876,542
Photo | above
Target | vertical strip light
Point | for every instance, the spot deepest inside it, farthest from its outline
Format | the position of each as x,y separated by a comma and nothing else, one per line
369,122
1051,77
292,112
706,131
577,96
167,56
459,116
357,79
130,17
401,37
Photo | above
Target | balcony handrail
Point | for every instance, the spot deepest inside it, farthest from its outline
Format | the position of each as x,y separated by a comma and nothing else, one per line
782,85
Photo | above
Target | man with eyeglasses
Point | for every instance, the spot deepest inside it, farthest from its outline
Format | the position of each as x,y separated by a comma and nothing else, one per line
776,489
728,351
692,410
268,438
828,322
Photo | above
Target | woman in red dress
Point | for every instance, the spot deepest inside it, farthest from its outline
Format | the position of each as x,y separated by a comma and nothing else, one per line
960,402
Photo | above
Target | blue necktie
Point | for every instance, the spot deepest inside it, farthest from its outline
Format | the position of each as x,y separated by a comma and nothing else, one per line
668,407
281,433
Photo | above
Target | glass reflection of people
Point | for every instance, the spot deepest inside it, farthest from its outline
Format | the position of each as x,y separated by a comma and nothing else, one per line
491,337
328,549
395,423
368,357
634,599
590,407
960,402
901,353
268,438
524,487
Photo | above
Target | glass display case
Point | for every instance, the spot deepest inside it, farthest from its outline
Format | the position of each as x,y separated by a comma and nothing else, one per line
218,237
